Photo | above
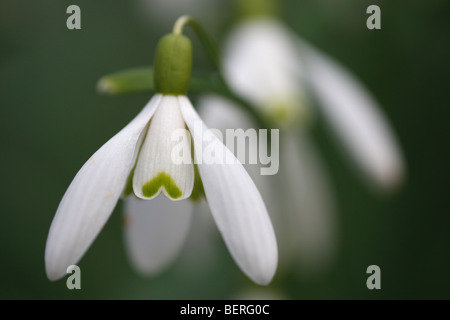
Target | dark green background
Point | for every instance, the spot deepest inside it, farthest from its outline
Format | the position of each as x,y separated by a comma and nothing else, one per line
52,120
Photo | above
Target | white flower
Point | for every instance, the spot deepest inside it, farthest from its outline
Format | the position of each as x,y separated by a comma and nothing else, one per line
270,66
142,152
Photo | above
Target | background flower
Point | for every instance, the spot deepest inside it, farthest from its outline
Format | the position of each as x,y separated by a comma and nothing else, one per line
268,64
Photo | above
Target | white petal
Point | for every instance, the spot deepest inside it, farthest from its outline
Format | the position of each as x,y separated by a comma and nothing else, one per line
155,231
156,170
92,196
260,63
307,229
236,205
355,117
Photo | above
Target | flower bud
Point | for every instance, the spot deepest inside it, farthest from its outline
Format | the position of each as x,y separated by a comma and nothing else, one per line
173,65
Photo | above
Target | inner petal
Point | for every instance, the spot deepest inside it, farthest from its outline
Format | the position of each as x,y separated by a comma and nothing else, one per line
164,163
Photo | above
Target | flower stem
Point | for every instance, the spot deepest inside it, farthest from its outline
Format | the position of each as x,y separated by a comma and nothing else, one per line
209,45
180,23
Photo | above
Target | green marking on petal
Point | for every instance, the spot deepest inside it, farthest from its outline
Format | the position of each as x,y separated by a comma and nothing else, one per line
164,180
129,186
286,113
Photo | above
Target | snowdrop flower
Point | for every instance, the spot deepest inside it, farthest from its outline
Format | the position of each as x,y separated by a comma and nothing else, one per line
139,160
277,71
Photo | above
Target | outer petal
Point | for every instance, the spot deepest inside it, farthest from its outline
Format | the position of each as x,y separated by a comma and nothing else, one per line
235,203
92,195
156,168
155,231
356,118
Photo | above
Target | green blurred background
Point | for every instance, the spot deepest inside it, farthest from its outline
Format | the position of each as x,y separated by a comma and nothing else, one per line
52,120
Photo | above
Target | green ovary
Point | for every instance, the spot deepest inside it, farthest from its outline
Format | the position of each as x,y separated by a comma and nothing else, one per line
162,179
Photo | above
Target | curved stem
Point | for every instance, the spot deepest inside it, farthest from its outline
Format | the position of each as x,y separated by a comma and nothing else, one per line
180,23
210,46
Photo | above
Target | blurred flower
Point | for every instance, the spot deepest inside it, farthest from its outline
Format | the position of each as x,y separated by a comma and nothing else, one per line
275,69
141,152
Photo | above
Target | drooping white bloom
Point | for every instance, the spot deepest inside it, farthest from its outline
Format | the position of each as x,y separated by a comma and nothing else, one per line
272,67
141,153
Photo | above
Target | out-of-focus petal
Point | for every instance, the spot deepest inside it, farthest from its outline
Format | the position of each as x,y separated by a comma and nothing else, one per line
356,118
155,231
308,234
260,64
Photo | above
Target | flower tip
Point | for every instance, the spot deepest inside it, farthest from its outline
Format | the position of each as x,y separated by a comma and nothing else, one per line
263,271
264,281
105,85
393,182
53,267
146,270
53,274
265,277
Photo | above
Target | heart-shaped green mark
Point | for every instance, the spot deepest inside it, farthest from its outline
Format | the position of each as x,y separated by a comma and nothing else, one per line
164,180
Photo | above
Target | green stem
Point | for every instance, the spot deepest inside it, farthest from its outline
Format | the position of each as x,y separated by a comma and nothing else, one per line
180,23
210,46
